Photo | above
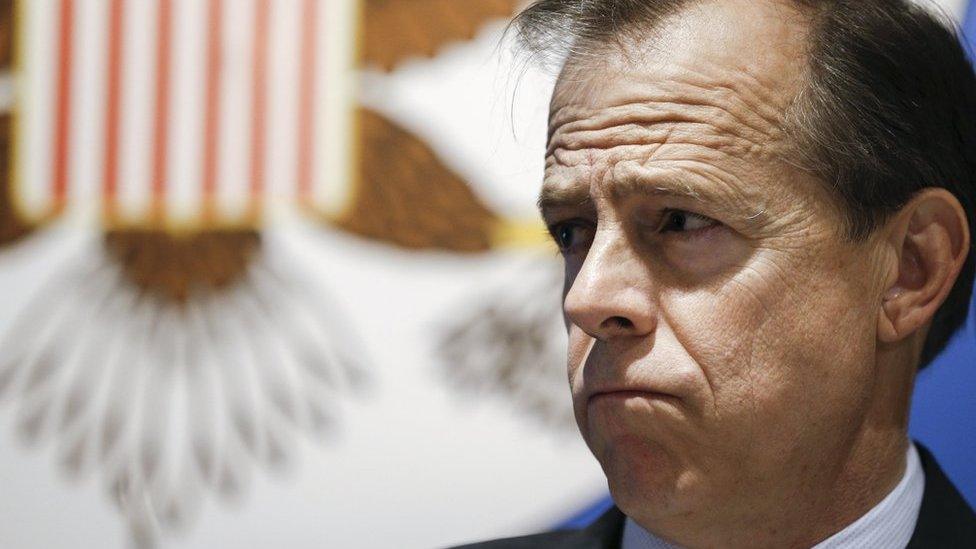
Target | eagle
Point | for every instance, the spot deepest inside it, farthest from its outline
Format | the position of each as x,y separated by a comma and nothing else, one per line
199,304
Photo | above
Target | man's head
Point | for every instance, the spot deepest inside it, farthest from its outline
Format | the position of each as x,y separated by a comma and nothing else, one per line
762,205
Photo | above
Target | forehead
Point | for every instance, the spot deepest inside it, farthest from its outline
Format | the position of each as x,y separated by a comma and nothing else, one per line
762,42
705,91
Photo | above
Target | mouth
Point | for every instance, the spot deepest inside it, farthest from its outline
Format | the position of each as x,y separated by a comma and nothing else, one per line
628,394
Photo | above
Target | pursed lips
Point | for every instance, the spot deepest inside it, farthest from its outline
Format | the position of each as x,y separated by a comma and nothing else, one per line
629,392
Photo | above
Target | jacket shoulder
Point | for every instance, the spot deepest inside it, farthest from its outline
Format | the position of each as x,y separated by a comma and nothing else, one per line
605,533
550,539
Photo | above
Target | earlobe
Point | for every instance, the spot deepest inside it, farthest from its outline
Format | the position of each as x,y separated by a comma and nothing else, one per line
890,311
891,318
931,238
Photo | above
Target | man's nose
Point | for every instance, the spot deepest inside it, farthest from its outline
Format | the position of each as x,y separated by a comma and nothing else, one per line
611,295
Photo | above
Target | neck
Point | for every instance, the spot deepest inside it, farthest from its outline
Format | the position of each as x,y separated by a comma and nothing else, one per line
806,516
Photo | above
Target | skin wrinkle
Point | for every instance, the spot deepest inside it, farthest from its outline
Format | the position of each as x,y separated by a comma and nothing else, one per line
560,151
707,376
733,204
738,285
632,177
744,87
592,140
645,133
577,121
582,124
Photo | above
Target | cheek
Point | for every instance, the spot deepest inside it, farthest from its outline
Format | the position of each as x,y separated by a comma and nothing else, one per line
776,346
579,346
578,351
579,341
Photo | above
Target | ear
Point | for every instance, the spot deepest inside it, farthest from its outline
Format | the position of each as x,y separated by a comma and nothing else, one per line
930,238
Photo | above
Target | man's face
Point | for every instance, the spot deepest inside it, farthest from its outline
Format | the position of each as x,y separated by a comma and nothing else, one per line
722,330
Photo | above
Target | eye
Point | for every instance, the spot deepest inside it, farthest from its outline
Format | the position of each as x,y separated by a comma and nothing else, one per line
570,234
680,221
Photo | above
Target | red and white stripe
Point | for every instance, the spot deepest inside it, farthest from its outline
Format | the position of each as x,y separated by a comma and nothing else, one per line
184,112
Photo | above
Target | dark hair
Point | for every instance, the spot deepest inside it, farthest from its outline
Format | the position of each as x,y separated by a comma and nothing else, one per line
888,108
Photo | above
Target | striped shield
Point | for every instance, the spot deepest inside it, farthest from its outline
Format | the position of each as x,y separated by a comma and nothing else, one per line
183,114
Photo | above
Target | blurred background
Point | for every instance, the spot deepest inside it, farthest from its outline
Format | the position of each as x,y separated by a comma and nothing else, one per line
271,276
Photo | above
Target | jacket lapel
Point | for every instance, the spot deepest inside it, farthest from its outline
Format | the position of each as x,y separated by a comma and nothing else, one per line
945,519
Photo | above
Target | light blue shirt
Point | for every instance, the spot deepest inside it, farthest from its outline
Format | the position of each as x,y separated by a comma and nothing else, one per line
889,524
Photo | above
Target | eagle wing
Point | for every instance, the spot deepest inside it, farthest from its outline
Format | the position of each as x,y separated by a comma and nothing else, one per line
404,195
11,226
395,30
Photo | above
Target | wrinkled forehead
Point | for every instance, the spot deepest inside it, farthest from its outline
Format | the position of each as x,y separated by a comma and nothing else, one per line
748,50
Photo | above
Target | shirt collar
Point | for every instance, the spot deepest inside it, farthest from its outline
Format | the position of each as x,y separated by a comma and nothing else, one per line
889,524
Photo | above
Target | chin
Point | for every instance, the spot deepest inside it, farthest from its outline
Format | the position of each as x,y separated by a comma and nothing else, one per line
644,479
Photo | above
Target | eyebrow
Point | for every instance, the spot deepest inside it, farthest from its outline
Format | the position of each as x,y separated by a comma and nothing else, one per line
551,198
577,196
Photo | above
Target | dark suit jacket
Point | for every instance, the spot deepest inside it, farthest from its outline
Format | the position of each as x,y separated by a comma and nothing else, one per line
945,521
